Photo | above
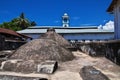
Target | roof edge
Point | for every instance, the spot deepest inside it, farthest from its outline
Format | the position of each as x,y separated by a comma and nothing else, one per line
111,7
42,27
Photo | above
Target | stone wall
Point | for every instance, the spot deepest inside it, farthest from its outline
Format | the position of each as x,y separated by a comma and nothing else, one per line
9,77
2,42
92,49
9,45
109,49
113,51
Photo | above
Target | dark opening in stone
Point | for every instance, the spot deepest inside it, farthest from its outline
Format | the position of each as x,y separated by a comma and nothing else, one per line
51,29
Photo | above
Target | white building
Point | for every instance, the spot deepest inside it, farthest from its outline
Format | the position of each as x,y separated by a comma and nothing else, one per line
114,8
74,33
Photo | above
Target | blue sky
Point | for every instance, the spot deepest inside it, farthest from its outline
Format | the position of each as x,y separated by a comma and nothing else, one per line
49,12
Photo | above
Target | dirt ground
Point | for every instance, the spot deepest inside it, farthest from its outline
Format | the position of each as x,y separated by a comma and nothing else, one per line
111,70
70,70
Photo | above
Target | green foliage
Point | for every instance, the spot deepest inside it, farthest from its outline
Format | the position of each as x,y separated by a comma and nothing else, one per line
33,23
18,23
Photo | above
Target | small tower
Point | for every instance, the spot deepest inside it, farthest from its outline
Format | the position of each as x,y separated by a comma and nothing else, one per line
65,20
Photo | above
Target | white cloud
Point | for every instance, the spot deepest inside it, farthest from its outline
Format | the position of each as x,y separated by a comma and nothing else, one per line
108,26
100,27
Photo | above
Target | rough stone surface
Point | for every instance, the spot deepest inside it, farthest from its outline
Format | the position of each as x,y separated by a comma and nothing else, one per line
55,37
69,70
90,73
47,67
93,49
19,66
6,77
30,66
43,49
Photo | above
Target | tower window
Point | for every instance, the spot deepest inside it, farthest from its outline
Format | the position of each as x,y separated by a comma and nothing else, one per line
65,20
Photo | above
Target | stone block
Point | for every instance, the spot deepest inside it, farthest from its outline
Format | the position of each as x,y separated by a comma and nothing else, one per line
90,73
9,77
47,67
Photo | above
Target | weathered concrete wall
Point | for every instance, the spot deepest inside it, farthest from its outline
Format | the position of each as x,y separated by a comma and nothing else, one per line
2,41
12,45
9,45
79,36
92,49
109,49
113,51
9,77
